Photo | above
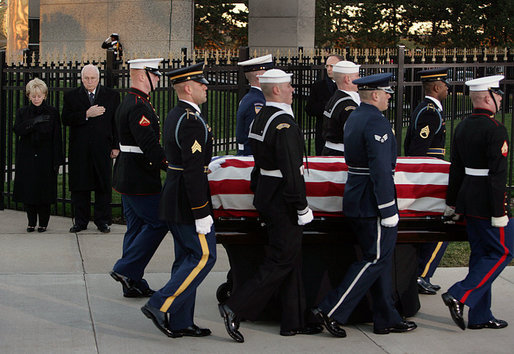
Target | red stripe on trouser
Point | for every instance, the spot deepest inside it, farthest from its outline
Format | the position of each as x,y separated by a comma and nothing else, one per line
490,273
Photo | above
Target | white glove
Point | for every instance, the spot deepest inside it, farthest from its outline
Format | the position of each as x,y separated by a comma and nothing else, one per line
108,40
501,221
203,225
305,216
216,163
391,221
449,215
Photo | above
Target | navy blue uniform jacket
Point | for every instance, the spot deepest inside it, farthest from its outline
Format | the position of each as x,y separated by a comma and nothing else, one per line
249,106
370,153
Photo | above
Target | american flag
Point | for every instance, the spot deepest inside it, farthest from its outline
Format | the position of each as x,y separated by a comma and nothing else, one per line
421,184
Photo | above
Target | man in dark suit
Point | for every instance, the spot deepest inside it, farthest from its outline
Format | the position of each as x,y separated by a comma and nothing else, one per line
321,91
426,136
369,203
89,112
186,206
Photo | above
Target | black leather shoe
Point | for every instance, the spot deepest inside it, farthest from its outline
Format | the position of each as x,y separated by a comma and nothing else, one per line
77,228
403,326
194,331
31,229
125,281
104,228
135,292
494,324
309,329
332,326
41,229
456,310
433,286
160,320
425,287
231,323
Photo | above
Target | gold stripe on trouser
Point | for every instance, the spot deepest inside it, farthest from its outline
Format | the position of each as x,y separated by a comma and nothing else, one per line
191,276
427,267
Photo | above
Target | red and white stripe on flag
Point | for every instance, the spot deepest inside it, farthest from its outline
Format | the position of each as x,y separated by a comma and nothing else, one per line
421,184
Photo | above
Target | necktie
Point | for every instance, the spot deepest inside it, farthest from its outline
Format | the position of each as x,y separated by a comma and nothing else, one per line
91,98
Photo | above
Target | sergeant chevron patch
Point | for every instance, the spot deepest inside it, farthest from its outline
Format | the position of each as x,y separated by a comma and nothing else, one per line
196,147
144,122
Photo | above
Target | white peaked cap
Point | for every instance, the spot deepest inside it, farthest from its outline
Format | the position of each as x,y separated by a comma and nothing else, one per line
145,63
485,83
346,67
256,61
274,76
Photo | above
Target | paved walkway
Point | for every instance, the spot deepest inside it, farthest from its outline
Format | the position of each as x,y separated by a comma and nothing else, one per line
56,297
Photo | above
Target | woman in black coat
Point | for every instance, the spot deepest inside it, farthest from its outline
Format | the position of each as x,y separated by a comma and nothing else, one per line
38,155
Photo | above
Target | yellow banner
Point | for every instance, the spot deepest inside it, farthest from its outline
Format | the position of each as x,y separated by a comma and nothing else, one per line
17,29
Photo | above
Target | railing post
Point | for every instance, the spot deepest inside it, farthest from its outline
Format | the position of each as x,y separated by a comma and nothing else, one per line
244,54
109,67
3,129
398,123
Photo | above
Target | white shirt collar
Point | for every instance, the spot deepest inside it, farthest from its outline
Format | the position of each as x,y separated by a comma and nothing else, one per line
436,101
283,106
256,87
354,95
195,106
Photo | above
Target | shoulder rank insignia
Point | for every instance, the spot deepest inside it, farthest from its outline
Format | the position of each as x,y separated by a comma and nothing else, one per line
283,125
424,132
505,148
350,108
144,122
381,139
196,147
431,106
257,107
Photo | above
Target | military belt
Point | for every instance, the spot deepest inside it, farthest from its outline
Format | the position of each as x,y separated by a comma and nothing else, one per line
334,146
271,173
180,168
480,172
130,148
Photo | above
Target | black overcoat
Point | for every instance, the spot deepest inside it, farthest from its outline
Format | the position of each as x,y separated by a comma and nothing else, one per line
91,140
38,154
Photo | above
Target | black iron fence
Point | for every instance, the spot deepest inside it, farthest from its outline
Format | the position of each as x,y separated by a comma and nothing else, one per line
228,85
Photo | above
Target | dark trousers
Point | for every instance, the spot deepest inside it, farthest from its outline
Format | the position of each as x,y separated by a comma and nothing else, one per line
491,252
372,273
280,273
195,255
81,201
429,256
144,234
43,210
319,142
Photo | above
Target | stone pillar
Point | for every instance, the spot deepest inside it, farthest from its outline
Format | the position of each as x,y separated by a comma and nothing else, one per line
78,28
285,24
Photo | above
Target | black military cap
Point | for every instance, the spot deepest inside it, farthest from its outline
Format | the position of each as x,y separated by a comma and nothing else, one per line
437,74
193,72
374,82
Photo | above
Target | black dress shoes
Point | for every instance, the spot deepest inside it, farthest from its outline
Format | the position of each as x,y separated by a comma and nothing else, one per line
494,324
425,287
130,289
332,326
231,323
403,326
104,228
193,331
41,229
160,320
77,228
31,229
456,309
125,281
309,329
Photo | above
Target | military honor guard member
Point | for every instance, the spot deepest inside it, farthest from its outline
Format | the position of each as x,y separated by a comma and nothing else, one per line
321,91
280,198
186,206
137,177
252,102
369,203
477,190
341,104
426,136
89,112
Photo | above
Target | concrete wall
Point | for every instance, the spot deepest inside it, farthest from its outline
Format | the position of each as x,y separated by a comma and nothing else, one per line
281,24
78,28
